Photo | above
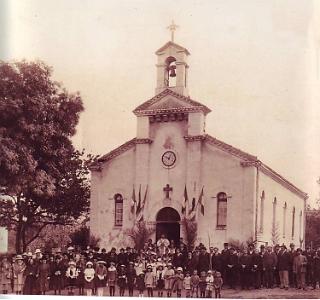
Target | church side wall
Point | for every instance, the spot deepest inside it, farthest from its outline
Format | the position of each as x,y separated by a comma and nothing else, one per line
117,176
222,172
278,229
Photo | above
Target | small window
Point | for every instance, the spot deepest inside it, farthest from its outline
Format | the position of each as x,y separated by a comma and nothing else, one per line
222,210
118,200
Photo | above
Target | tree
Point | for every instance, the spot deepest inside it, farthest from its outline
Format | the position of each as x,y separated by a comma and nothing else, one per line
44,179
191,229
140,234
312,237
275,235
83,238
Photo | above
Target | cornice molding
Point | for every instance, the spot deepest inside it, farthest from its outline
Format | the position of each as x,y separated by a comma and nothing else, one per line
276,177
142,110
97,166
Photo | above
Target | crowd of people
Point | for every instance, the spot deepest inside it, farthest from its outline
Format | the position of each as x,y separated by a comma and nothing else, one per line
160,269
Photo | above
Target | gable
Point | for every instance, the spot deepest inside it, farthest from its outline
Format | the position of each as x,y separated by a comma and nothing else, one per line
169,101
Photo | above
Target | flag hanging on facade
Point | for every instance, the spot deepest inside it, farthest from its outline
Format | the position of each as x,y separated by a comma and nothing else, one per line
139,201
134,202
200,201
185,202
141,207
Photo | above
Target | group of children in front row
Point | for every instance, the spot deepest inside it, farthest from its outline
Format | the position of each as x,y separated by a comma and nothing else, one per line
164,279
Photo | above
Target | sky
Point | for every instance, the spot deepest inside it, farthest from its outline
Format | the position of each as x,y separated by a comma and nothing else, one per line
254,63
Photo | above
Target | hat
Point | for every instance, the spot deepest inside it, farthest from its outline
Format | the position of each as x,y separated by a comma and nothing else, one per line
37,251
179,269
89,263
131,263
72,263
19,257
262,246
58,250
210,272
159,259
30,254
24,254
122,266
70,248
101,262
291,244
149,267
225,244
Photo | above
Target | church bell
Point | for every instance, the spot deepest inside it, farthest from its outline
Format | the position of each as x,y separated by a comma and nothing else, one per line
172,71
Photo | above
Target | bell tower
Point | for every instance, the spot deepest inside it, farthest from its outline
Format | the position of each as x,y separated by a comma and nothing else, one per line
172,66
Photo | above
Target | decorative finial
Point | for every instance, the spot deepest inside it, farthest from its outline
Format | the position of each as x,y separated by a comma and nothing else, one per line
172,27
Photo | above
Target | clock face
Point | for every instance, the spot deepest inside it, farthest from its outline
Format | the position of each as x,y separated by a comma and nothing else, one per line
169,158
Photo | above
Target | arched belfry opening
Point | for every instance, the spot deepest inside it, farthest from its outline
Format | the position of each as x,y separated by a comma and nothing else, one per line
170,72
168,223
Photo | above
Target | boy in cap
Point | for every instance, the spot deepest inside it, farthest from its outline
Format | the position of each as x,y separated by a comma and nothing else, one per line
209,281
168,279
187,284
122,279
149,280
178,282
195,284
160,280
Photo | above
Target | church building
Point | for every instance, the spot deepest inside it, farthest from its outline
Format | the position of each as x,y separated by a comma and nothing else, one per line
173,170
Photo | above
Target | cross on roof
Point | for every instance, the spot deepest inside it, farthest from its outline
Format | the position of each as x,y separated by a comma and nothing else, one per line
172,27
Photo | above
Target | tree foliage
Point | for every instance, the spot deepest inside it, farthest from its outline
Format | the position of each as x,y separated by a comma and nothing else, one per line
191,230
139,234
44,179
83,238
312,237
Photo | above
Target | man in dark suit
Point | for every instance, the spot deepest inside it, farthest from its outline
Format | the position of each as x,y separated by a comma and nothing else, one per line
283,266
232,265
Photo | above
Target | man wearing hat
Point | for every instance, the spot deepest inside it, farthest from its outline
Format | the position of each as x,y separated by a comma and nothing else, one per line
300,269
283,266
223,259
18,274
292,275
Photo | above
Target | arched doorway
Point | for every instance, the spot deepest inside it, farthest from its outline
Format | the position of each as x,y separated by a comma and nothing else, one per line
168,223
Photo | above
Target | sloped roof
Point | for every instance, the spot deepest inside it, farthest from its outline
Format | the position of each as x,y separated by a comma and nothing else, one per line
247,159
190,105
172,44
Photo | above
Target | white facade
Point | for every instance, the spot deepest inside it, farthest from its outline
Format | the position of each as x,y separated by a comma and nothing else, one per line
171,126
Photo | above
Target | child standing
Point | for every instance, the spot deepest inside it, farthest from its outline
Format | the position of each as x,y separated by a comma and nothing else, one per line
111,278
203,284
89,273
5,275
72,274
178,282
209,286
101,275
217,284
195,279
187,284
168,279
149,281
122,280
160,280
140,284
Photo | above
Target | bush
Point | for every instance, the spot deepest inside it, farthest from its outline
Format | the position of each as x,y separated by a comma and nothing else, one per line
140,234
191,229
82,238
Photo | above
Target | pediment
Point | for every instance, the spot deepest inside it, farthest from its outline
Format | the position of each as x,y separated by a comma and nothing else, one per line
169,101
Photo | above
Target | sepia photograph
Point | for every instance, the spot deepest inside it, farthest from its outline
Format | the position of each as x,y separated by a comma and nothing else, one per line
162,148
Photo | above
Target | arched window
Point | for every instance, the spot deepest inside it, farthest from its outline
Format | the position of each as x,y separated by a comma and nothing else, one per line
262,211
300,225
222,200
293,221
274,211
118,211
284,219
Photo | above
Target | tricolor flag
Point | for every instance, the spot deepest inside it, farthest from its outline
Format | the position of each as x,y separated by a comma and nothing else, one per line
139,201
133,203
201,202
141,208
185,202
